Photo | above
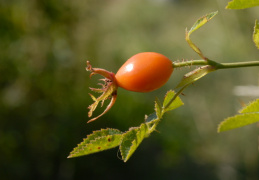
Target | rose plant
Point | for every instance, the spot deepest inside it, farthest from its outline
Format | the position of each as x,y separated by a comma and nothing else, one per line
148,71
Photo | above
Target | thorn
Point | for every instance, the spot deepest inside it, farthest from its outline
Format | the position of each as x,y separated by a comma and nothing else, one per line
241,102
157,131
102,103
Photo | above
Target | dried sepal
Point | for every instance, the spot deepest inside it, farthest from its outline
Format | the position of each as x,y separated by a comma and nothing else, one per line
97,90
108,90
113,99
103,72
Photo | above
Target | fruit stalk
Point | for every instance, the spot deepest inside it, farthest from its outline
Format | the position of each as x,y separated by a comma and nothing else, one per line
216,64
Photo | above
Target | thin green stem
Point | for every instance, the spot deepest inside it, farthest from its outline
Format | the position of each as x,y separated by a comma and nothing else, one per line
215,64
238,65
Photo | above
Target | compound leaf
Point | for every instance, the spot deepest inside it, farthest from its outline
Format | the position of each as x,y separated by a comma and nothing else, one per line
98,141
242,4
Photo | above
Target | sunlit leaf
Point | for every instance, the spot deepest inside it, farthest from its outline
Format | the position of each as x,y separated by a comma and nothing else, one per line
177,102
200,22
195,75
249,115
242,4
98,141
256,34
252,107
131,141
237,121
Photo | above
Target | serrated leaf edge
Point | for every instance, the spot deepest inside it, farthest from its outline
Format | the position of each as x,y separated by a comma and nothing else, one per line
252,103
232,117
84,143
129,153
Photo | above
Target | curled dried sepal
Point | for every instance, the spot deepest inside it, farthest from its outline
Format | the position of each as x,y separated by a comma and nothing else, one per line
108,90
103,72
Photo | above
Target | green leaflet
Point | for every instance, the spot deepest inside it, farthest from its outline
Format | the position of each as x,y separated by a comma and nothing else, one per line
131,140
242,4
201,71
249,115
177,102
98,141
200,22
237,121
256,34
195,75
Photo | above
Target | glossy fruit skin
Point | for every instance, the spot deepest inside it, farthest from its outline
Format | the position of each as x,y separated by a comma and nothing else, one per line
144,72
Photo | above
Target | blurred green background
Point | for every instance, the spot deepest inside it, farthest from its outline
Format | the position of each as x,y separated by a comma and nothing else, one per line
44,45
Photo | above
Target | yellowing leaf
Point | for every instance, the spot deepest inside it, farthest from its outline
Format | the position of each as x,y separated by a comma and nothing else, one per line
252,107
237,121
256,34
242,4
249,115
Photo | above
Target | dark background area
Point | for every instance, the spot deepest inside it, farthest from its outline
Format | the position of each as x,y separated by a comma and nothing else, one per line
44,97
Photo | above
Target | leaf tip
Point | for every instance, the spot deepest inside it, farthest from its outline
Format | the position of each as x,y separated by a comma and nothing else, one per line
219,129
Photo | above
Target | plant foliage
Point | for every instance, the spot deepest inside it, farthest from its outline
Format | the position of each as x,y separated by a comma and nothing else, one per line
128,141
256,34
248,115
242,4
200,22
